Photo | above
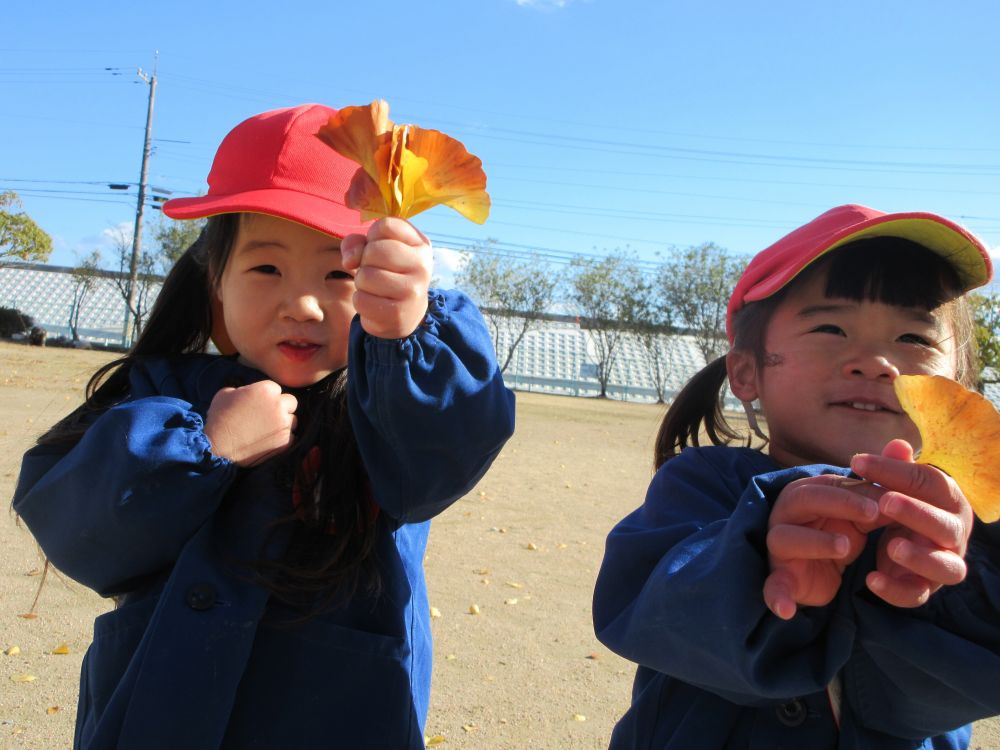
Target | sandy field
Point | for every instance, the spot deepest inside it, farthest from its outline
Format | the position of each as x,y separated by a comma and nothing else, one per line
510,570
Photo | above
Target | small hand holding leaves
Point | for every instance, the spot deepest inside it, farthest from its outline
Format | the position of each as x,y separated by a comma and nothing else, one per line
960,433
405,169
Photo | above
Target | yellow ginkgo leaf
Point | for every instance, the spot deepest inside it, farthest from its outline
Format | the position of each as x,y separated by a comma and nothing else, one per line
61,650
13,651
23,678
435,740
405,169
960,434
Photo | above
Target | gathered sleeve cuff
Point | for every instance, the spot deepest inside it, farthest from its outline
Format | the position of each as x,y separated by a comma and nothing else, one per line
430,412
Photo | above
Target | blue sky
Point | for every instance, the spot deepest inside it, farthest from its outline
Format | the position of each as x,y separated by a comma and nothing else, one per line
602,124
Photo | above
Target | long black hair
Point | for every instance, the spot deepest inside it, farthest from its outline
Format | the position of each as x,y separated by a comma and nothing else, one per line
889,270
331,554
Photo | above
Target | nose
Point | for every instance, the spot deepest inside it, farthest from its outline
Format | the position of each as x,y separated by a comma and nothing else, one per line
871,366
302,304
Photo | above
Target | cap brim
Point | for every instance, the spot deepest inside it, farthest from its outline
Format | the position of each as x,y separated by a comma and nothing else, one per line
312,211
965,253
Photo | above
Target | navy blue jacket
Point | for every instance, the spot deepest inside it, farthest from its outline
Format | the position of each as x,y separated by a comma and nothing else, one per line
680,594
197,656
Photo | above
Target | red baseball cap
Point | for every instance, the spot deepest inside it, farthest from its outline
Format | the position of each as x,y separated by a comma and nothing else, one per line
274,164
772,268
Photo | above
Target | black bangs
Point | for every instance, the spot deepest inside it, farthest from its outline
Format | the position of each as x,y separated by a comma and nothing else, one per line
892,271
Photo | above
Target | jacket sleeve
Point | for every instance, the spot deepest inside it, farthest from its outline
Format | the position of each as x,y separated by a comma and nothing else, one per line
430,412
923,671
123,501
680,590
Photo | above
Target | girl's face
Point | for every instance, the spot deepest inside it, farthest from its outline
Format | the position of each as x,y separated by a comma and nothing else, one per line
287,300
826,383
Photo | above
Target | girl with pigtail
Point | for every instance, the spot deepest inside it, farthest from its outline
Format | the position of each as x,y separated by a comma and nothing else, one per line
260,516
822,591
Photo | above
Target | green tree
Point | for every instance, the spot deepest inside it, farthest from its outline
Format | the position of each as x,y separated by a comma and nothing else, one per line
174,237
607,293
85,278
696,284
512,295
986,314
20,237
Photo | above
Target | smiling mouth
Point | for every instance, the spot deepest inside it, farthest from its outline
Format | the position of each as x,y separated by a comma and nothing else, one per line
298,350
864,406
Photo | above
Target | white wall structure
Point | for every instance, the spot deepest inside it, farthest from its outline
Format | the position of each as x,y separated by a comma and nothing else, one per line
556,356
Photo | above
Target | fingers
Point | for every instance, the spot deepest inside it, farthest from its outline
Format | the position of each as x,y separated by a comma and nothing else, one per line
391,243
904,591
779,590
826,497
945,528
917,480
789,542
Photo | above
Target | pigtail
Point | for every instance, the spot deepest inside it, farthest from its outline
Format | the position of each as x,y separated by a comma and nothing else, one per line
180,321
698,406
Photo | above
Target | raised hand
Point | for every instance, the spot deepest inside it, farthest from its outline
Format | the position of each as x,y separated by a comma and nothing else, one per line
392,272
250,424
923,546
817,527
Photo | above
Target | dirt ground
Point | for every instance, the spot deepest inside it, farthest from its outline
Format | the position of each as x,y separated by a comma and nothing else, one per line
510,571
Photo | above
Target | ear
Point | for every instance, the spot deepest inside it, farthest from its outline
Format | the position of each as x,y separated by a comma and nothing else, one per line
741,367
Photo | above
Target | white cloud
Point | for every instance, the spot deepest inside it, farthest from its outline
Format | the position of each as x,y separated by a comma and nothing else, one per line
447,263
544,5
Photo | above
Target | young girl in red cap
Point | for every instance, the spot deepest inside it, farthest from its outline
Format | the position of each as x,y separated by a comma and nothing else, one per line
769,601
260,517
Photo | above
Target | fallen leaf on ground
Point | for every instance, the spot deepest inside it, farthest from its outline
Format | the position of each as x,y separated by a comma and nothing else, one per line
531,545
61,650
960,435
13,651
437,739
23,678
28,616
473,609
52,710
510,601
514,584
579,717
435,612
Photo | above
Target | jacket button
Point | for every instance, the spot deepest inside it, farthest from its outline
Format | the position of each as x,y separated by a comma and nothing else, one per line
792,713
201,596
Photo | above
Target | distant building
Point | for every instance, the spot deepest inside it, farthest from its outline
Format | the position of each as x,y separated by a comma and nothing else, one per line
555,357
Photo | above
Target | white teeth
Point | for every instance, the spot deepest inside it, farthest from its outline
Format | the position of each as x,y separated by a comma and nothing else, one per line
865,407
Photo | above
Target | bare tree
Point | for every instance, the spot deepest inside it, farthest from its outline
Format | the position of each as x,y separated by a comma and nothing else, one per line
652,329
607,293
513,295
696,284
146,278
85,278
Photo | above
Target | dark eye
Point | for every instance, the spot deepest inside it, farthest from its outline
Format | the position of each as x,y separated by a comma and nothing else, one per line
915,338
265,269
829,328
339,275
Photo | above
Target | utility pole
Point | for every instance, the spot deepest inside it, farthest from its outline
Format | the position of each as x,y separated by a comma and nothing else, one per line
133,278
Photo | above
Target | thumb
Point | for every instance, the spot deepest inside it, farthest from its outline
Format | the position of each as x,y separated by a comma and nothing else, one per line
899,450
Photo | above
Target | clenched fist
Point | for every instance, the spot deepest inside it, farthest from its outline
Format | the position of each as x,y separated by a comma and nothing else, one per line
250,424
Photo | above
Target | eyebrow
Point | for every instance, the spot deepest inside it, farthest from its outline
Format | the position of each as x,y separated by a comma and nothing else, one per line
915,314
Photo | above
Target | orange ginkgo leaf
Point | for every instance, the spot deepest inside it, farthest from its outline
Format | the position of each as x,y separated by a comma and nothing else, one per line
405,169
960,434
